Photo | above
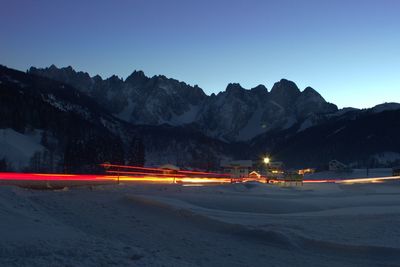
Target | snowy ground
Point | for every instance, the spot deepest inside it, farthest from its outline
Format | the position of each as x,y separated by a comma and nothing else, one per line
230,225
18,148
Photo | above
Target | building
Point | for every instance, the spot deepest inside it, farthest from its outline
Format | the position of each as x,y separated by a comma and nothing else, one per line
335,165
237,168
276,166
275,170
306,171
254,175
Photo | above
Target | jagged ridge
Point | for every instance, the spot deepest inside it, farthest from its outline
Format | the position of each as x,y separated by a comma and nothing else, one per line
235,114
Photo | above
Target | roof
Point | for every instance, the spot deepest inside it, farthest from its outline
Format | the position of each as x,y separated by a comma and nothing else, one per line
169,167
254,173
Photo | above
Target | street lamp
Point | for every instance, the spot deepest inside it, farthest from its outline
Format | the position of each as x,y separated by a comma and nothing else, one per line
266,161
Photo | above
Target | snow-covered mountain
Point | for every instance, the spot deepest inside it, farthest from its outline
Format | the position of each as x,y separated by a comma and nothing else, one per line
236,114
179,124
138,99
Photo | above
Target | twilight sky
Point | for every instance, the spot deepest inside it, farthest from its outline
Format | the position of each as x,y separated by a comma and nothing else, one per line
348,50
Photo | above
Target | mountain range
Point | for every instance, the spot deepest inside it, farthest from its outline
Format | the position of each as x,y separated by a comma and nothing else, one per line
180,124
236,114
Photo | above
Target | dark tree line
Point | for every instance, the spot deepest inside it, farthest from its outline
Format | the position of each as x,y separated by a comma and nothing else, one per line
4,166
135,155
84,153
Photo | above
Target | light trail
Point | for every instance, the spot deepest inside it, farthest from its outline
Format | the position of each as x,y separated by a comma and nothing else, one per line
205,173
355,180
106,166
169,171
54,177
161,178
200,180
142,177
320,181
368,180
146,173
146,179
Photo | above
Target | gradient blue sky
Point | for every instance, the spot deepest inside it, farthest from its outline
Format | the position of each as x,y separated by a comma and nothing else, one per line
348,50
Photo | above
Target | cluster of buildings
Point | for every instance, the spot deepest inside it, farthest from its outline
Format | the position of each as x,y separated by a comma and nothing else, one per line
270,171
247,168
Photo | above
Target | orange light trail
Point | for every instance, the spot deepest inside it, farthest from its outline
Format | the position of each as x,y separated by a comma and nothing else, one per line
129,177
105,165
204,173
320,181
146,173
144,177
368,180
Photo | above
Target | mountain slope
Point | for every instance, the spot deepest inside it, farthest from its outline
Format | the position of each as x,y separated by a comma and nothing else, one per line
357,137
72,126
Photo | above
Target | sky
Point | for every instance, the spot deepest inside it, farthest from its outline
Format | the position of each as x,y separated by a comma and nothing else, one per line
348,50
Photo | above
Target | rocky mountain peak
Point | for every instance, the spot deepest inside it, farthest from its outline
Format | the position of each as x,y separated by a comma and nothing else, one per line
114,79
69,69
80,80
261,91
285,93
310,93
285,87
52,67
311,102
259,87
97,78
234,87
234,114
137,77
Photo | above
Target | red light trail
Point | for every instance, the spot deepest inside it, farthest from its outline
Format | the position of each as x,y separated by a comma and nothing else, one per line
146,173
107,166
122,173
53,177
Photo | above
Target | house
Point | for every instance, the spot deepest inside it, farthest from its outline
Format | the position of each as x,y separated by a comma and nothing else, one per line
254,175
237,168
335,165
275,169
306,171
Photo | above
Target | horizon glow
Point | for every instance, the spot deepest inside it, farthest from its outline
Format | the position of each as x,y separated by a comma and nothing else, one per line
346,50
